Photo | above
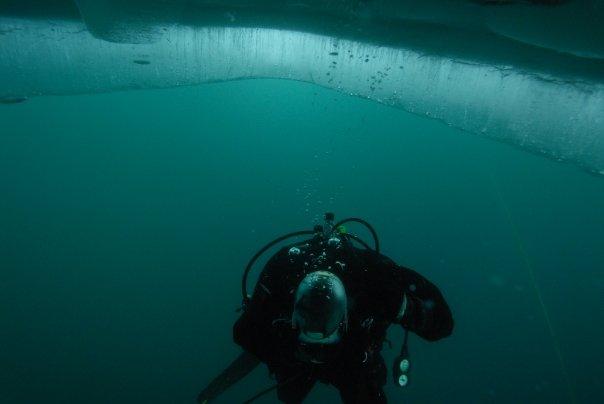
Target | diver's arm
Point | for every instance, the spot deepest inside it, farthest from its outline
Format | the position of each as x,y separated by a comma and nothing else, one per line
409,299
426,312
251,328
259,330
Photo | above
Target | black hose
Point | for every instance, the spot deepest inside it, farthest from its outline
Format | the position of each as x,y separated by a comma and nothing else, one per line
364,223
263,392
405,346
358,240
262,251
276,386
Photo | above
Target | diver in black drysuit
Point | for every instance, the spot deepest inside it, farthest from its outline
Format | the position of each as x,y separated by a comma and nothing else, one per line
378,293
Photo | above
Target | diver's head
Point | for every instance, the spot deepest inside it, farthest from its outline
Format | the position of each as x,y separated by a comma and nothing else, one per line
320,309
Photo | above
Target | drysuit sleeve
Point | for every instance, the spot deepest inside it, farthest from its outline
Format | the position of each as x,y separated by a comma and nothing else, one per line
426,313
262,329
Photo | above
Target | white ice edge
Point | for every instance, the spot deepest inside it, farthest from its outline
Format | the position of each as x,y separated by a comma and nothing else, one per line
561,119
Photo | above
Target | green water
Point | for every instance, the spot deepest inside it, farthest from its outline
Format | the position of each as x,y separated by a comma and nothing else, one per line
126,220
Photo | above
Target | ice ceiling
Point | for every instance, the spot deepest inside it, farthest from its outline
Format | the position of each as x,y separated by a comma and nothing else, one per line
530,73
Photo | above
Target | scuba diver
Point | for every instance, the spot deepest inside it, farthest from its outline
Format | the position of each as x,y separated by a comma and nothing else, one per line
320,311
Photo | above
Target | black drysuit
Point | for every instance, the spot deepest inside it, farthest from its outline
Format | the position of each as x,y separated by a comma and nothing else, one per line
374,285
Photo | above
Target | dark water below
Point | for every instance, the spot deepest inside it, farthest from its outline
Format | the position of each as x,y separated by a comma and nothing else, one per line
126,220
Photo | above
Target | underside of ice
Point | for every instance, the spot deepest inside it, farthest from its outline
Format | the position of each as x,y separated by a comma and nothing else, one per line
524,72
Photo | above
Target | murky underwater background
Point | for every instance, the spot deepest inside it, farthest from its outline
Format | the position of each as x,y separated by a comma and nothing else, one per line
126,220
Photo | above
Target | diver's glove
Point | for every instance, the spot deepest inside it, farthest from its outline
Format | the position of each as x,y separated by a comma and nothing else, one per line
412,314
403,310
